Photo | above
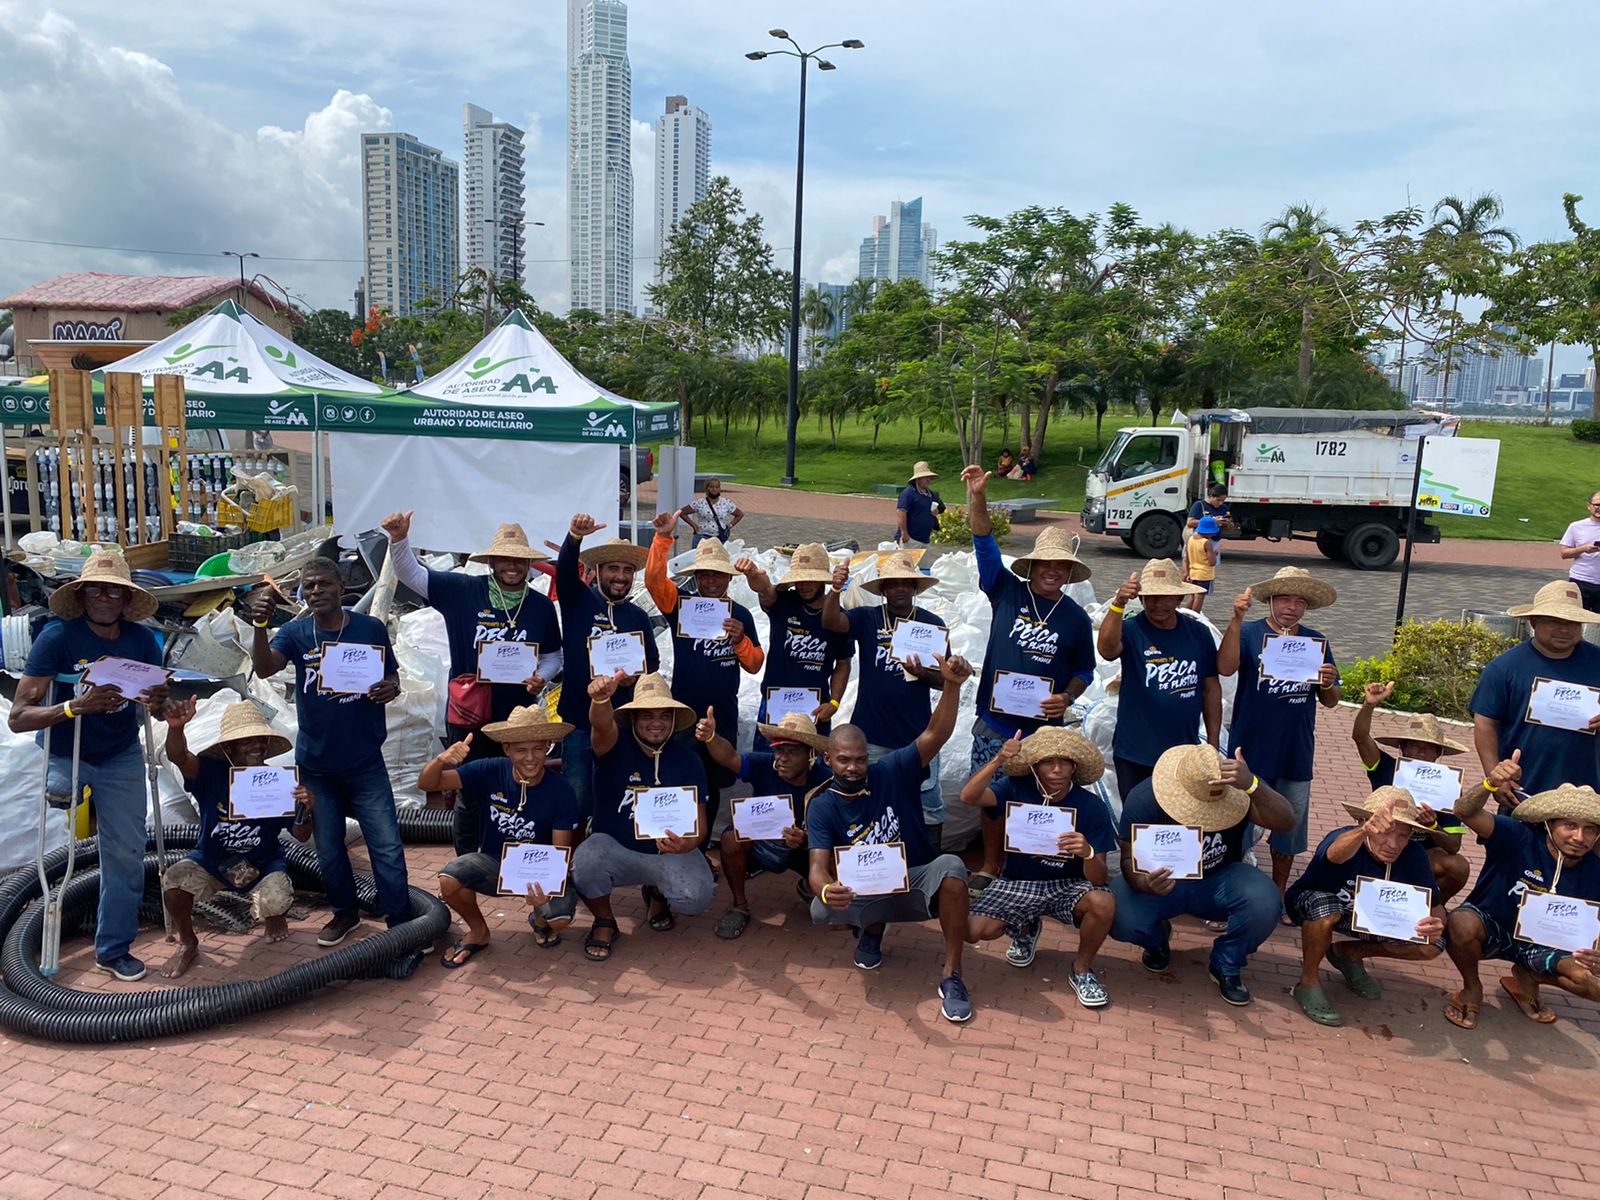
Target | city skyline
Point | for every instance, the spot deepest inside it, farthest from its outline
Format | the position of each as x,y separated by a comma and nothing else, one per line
600,181
493,194
683,166
410,221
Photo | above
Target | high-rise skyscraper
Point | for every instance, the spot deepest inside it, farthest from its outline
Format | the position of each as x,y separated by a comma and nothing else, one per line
683,166
599,155
492,214
900,246
409,222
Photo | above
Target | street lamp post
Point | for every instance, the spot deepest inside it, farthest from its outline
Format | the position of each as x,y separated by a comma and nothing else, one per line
805,57
241,257
516,240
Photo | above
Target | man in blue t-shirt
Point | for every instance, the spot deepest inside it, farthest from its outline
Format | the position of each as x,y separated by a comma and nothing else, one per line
1215,506
1276,719
1053,768
918,507
1380,849
339,749
1037,634
236,854
1169,672
1552,755
875,806
479,610
99,615
1546,847
522,802
1193,786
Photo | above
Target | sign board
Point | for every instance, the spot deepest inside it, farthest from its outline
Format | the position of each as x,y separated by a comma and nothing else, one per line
1458,475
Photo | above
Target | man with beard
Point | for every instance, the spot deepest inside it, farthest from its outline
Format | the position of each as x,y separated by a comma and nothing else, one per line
479,610
803,654
877,804
587,613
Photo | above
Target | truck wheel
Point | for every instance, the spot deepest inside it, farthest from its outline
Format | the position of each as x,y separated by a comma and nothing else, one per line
1157,535
624,487
1331,543
1371,547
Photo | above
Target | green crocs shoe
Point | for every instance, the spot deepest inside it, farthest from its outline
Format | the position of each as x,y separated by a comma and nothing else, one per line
1315,1004
1355,976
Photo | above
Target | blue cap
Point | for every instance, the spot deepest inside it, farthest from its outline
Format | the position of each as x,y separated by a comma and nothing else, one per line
1207,527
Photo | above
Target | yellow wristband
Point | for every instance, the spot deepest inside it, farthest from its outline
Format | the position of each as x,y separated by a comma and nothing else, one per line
1255,782
66,710
1117,610
825,888
833,702
1489,787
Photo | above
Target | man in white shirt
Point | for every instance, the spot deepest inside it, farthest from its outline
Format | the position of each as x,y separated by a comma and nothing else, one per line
1581,546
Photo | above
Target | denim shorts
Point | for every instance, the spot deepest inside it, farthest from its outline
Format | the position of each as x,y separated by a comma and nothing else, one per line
1499,943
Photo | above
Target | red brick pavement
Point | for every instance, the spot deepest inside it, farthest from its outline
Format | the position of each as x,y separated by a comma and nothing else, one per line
771,1068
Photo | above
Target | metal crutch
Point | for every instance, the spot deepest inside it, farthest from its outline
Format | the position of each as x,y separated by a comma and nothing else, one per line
152,770
50,939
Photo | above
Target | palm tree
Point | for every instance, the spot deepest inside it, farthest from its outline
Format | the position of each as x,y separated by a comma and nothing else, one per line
816,313
1301,236
1468,237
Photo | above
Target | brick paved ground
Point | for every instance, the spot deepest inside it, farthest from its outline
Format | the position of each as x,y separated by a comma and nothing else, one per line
772,1068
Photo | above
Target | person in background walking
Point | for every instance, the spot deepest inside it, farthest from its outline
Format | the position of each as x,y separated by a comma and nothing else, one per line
918,508
711,516
1580,545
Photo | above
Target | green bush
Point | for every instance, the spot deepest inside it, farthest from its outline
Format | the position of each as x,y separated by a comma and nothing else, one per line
953,529
1586,431
1434,666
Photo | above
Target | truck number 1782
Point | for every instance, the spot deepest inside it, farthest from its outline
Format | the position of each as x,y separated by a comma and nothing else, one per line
1337,449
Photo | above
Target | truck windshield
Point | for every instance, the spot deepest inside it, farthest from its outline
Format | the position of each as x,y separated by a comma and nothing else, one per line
1103,467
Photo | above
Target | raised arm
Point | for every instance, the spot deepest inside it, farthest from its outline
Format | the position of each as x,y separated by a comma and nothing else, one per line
1109,641
407,570
656,580
977,481
267,660
1373,695
569,577
976,791
833,618
760,582
602,717
1499,781
954,671
178,715
1228,652
439,774
722,751
1267,808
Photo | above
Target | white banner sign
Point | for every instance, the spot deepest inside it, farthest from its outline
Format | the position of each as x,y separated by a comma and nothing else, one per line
1458,475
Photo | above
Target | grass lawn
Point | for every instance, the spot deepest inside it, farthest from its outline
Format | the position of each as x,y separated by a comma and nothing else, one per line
1544,477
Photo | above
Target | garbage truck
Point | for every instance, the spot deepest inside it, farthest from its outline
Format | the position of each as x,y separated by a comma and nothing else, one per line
1340,478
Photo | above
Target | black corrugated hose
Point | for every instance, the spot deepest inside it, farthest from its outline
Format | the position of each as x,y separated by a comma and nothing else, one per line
35,1006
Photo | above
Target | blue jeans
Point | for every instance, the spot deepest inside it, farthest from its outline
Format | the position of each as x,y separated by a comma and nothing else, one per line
121,800
363,793
577,768
1239,894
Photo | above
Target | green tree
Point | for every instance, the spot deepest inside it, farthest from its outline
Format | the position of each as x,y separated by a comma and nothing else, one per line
1470,253
326,333
816,314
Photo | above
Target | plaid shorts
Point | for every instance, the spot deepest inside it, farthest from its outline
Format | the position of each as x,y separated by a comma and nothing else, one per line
1306,906
1498,943
1018,902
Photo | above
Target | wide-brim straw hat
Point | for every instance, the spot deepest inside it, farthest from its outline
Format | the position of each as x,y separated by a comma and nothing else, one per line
923,471
527,723
617,550
510,541
1561,600
711,555
1423,727
1405,807
810,563
653,691
242,721
1182,783
1569,802
1054,741
1161,577
104,567
1053,545
898,566
795,727
1296,581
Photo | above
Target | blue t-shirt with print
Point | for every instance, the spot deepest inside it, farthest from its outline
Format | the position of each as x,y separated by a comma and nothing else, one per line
629,765
1164,672
1091,817
705,671
1274,723
337,731
1028,635
918,507
802,653
759,771
65,648
1322,874
1550,757
1517,860
470,621
586,614
1219,849
515,815
222,840
890,810
890,709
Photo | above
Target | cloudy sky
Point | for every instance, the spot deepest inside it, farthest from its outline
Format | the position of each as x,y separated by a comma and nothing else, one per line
236,127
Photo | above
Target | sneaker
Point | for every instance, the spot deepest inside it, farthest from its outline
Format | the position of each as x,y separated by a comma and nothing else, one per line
954,1003
1232,988
339,928
1025,945
869,950
1159,959
127,968
1087,986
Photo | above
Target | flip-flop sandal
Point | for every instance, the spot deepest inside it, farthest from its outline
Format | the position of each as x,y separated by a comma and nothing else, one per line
1531,1009
1355,975
472,950
1315,1004
544,936
733,923
662,920
1461,1014
593,948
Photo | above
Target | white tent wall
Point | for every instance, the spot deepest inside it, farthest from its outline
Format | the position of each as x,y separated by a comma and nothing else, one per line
461,489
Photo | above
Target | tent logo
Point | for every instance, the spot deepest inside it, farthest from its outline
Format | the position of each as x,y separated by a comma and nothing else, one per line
286,412
486,365
286,357
603,425
187,351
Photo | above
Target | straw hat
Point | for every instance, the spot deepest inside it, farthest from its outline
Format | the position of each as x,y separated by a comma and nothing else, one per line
1182,783
898,566
527,723
1423,727
617,550
243,720
923,471
1161,577
1296,581
654,692
795,727
1053,545
1405,808
509,542
1568,802
811,563
106,568
1560,599
1054,741
711,555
